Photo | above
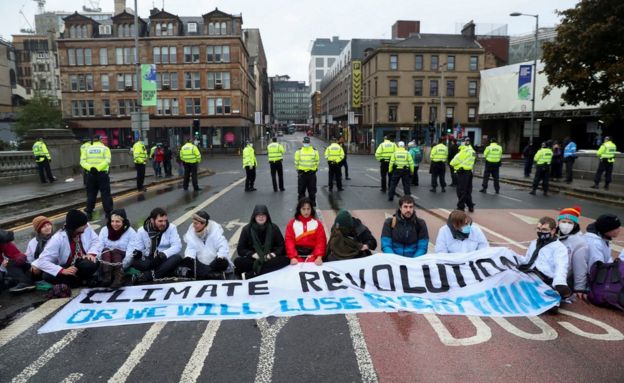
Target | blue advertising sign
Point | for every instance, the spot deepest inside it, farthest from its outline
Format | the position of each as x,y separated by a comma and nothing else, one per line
524,82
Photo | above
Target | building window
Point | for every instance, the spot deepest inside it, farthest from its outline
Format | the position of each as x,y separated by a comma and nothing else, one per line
218,53
83,108
167,107
450,63
417,113
392,113
450,88
450,112
191,54
319,62
106,109
124,56
418,87
71,57
126,81
319,74
394,62
165,55
472,88
219,106
103,56
434,62
191,27
105,83
218,80
474,63
192,106
394,87
191,80
418,65
433,113
89,81
433,87
472,114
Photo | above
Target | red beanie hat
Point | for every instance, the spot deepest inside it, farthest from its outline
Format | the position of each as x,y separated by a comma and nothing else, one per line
571,213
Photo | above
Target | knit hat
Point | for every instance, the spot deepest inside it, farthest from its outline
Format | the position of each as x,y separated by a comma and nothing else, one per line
202,216
74,219
571,213
343,219
39,221
607,222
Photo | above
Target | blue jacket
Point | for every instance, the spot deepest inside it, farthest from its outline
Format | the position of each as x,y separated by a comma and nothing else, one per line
408,238
570,150
416,154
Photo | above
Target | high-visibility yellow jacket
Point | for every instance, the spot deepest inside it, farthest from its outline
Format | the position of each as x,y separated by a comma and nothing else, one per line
464,160
307,159
384,150
493,153
139,153
334,153
401,159
97,156
190,154
543,156
40,151
439,153
249,156
275,151
607,151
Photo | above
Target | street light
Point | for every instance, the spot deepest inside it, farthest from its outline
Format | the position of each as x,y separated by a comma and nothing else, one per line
515,14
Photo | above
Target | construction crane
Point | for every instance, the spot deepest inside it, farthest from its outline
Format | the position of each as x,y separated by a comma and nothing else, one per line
94,6
30,29
40,5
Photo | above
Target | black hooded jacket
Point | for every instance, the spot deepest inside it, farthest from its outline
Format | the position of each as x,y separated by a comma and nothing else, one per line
245,246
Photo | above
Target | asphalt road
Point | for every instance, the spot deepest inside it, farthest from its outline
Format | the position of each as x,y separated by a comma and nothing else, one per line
582,343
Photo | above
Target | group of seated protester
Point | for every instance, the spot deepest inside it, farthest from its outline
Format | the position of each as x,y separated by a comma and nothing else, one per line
76,255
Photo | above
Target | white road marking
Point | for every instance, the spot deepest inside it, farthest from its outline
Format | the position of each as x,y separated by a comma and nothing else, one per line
196,362
268,336
71,378
24,323
611,333
483,331
236,236
137,354
207,202
364,361
32,370
526,219
373,178
548,333
511,198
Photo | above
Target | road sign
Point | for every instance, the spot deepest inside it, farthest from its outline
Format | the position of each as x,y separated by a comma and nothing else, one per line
351,118
258,118
139,121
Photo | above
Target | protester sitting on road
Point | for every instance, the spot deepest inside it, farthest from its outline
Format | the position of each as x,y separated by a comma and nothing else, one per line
261,246
305,235
570,235
405,234
207,251
460,235
115,237
547,257
349,238
43,233
156,248
598,235
70,256
15,263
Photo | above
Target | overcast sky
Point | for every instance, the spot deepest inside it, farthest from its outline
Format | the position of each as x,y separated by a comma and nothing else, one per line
288,26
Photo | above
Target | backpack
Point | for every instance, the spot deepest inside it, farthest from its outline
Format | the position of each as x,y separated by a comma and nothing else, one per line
606,284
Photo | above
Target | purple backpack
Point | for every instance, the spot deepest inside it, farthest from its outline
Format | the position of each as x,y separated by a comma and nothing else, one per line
606,284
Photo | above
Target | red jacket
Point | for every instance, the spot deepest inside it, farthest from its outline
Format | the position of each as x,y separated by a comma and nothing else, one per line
305,232
159,155
10,251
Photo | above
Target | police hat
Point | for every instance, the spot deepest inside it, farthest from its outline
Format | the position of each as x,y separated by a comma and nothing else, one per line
306,140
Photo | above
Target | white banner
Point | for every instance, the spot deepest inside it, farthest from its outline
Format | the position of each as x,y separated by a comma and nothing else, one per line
482,283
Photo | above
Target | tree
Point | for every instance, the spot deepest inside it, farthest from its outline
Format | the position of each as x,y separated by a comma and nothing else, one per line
587,56
38,113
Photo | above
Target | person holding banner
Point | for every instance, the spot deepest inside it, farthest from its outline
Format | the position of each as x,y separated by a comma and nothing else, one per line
261,246
70,256
305,235
115,238
460,235
207,251
405,234
548,258
349,239
570,235
156,248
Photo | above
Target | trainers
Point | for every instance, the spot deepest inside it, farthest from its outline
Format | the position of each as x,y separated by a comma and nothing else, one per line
483,191
532,192
432,190
22,287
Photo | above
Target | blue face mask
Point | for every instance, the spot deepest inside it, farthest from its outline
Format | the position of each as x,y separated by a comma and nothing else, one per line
466,229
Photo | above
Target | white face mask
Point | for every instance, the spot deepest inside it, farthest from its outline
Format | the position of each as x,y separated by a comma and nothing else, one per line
566,228
305,144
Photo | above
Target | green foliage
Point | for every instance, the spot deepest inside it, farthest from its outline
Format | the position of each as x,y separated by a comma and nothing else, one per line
38,113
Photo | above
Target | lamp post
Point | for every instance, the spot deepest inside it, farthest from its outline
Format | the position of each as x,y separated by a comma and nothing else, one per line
515,14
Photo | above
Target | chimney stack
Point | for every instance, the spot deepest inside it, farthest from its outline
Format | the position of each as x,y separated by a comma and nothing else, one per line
120,6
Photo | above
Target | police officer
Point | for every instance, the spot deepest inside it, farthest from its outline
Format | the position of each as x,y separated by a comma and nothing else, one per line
416,152
86,142
249,164
542,160
606,154
401,168
306,162
190,157
462,164
334,154
275,152
43,159
139,155
382,154
96,161
492,154
453,149
438,157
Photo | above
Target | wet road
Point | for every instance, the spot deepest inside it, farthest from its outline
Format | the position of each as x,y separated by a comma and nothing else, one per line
368,347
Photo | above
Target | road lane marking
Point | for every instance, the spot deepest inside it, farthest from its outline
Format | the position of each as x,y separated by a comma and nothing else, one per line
547,333
483,331
364,360
526,219
196,363
511,198
268,337
24,323
32,370
71,378
611,333
207,202
137,354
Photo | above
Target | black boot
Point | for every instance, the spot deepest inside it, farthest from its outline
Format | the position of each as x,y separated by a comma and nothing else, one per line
118,277
107,275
